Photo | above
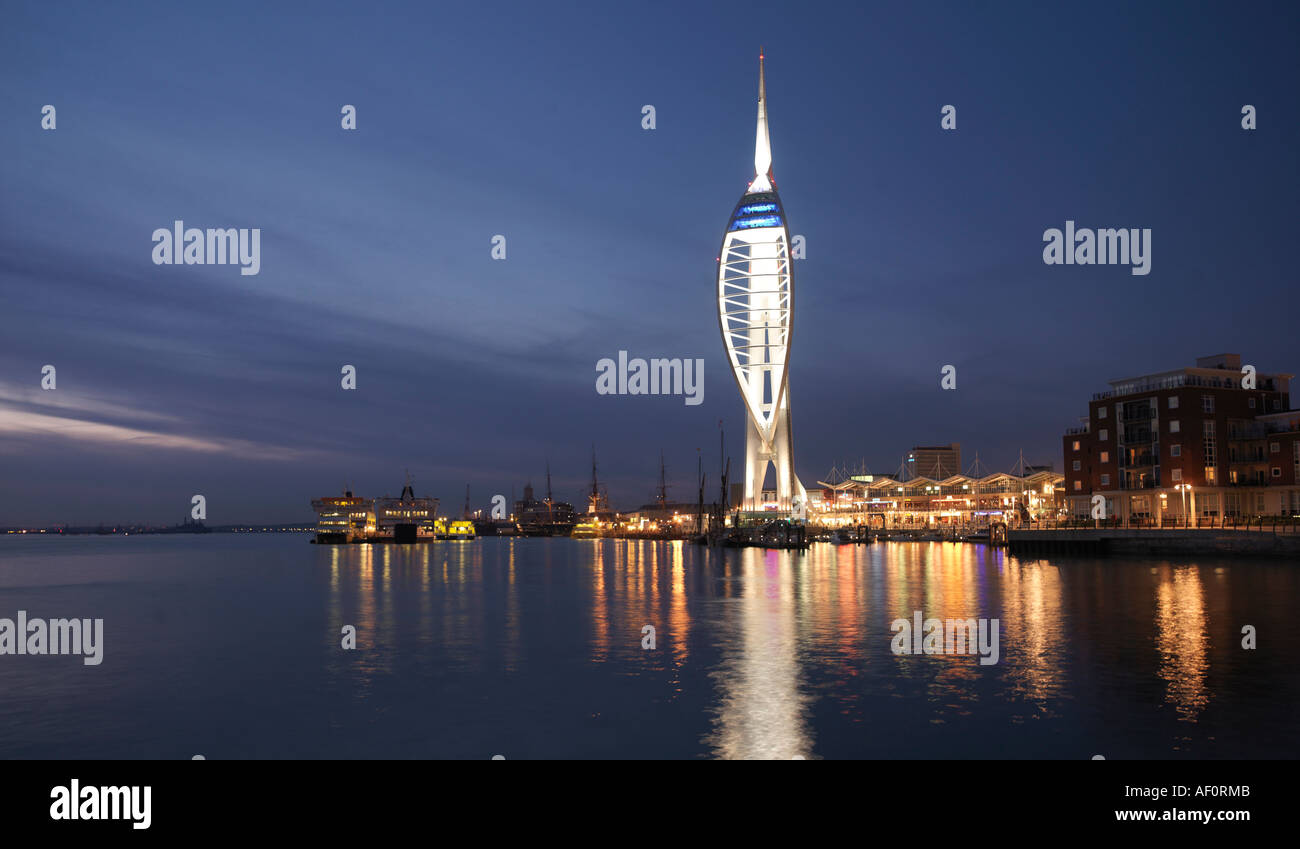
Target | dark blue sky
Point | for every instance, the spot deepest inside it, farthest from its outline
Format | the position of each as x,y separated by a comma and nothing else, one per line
924,246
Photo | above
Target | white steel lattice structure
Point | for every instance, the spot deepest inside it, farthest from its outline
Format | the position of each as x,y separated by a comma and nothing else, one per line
755,311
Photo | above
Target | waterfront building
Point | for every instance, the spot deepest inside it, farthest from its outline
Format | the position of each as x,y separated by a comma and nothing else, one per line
885,501
679,515
1195,442
934,461
755,292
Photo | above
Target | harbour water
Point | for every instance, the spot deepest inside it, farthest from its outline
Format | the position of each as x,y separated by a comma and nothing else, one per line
229,646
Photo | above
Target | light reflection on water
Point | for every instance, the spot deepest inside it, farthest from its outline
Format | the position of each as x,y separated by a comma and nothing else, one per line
760,710
1182,642
533,648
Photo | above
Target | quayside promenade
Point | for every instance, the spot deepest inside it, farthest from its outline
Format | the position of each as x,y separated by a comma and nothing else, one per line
1278,537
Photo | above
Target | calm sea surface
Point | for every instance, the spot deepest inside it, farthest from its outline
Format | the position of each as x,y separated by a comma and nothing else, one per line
228,646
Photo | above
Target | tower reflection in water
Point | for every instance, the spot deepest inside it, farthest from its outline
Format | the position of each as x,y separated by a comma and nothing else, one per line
761,711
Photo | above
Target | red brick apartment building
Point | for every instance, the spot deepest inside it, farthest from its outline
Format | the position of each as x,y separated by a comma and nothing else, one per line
1192,442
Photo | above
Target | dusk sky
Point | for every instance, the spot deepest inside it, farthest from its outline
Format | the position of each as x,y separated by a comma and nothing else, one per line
924,246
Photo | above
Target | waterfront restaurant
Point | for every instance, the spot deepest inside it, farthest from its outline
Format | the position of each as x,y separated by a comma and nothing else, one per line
881,501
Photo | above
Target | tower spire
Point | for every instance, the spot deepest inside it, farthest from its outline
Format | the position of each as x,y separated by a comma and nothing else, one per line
762,181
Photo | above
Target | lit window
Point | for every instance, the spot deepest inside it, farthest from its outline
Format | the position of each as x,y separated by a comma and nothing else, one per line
1078,485
1105,456
1173,426
1076,445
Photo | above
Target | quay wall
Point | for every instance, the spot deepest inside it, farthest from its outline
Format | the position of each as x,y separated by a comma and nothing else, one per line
1135,541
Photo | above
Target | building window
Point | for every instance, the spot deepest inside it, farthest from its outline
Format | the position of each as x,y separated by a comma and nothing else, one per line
1173,425
1175,451
1252,403
1173,402
1211,476
1076,445
1076,465
1105,456
1277,403
1208,442
1207,403
1274,447
1105,480
1176,474
1078,485
1104,435
1277,471
1101,412
1295,449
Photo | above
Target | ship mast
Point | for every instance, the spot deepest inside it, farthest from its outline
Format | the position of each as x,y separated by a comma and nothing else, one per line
549,502
594,498
662,498
699,507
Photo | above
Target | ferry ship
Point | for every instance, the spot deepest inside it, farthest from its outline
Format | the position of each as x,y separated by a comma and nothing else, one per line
405,519
591,528
341,518
454,529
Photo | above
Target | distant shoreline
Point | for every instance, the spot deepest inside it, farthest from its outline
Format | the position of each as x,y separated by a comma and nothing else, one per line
161,530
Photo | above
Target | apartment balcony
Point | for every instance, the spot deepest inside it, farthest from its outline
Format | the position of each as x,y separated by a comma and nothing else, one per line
1266,383
1257,430
1141,461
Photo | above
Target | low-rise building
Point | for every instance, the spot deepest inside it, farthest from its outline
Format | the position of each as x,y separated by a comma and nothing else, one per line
883,501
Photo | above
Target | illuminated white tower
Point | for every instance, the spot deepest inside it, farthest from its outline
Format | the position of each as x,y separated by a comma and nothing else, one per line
755,312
